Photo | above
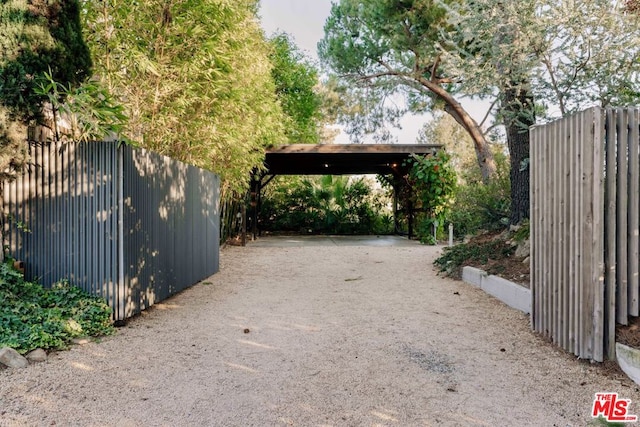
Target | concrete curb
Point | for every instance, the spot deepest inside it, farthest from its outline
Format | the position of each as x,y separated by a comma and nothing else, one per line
628,359
513,295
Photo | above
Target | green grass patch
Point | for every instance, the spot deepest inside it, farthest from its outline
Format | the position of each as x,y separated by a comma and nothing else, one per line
35,317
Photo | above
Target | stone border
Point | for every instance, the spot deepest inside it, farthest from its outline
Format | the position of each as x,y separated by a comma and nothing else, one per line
513,295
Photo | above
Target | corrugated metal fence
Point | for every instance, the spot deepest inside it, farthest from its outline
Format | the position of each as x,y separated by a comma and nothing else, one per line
585,211
124,223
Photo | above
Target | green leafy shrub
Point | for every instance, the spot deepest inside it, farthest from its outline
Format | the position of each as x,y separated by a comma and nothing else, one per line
34,317
453,258
480,206
325,205
523,232
434,182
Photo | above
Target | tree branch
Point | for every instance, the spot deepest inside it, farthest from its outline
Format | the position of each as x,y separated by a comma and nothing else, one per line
486,116
554,84
434,68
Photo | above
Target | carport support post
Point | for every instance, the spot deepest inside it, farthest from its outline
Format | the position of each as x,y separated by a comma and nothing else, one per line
243,210
410,216
255,194
396,224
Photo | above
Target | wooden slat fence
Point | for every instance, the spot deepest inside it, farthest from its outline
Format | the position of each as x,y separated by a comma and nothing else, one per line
585,214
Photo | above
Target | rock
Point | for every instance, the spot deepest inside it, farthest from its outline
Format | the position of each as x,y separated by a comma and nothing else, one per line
37,355
526,260
524,249
81,341
514,228
11,358
502,236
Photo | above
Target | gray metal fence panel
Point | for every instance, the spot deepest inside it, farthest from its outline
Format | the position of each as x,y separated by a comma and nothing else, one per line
123,223
171,227
68,229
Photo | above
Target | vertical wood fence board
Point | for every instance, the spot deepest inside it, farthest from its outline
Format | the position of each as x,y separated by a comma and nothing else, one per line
575,238
610,231
560,138
580,249
550,225
571,242
598,236
537,224
621,241
533,225
555,253
578,219
543,229
633,212
586,202
558,257
546,267
565,236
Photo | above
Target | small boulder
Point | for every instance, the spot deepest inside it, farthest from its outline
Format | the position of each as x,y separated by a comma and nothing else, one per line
524,249
502,236
11,358
37,355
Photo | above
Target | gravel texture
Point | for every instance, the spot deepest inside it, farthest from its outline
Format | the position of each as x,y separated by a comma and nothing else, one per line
316,336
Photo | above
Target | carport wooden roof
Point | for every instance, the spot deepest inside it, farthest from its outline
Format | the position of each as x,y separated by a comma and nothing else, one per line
343,159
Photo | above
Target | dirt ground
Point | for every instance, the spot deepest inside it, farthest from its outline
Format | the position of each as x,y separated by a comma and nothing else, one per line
511,267
321,335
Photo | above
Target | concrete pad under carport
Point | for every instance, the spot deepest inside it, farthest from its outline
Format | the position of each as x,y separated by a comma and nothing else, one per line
334,240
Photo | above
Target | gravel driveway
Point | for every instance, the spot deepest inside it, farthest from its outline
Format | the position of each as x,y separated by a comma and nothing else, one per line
316,335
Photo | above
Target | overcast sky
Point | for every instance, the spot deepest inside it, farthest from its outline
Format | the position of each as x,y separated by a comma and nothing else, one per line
302,19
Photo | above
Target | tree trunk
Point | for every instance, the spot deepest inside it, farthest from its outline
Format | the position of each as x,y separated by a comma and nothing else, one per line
484,155
456,110
518,118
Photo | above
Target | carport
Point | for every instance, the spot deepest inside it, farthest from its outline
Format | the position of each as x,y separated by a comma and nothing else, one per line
389,160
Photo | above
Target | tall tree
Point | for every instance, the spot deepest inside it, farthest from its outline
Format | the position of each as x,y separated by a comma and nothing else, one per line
36,37
296,81
395,46
544,58
444,130
536,59
512,81
203,89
